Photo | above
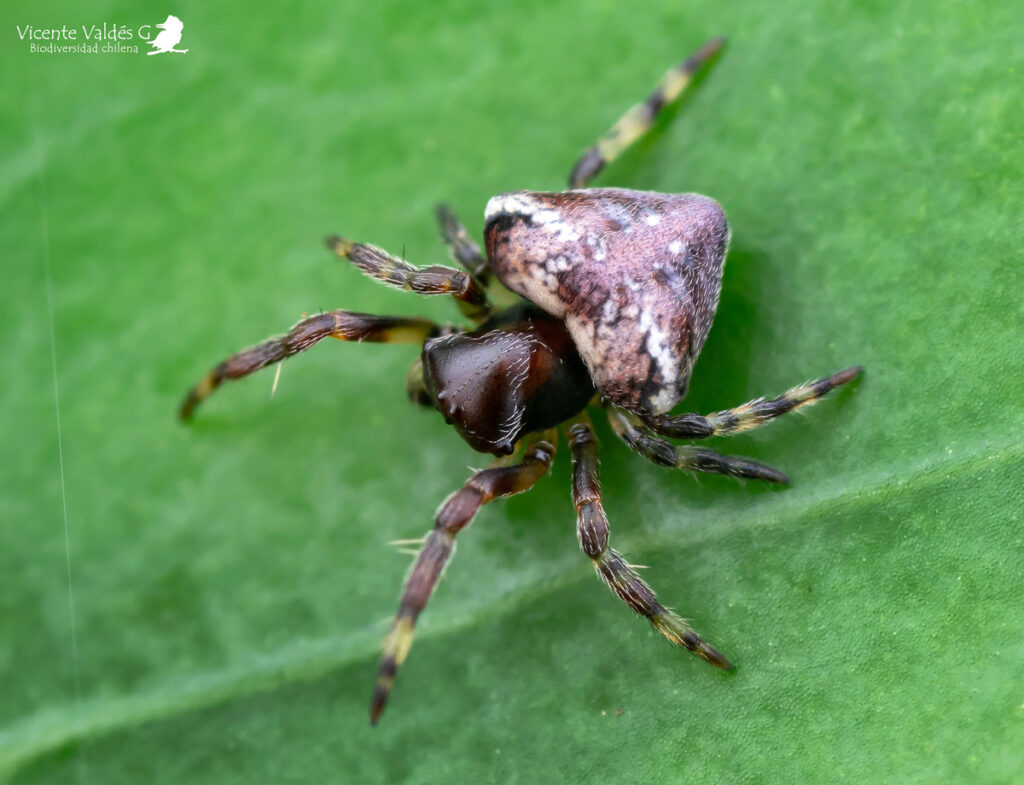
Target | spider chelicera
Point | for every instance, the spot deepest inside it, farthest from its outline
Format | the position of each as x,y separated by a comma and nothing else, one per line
619,290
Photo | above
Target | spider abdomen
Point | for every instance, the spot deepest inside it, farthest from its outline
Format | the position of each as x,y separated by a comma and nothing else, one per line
517,374
634,274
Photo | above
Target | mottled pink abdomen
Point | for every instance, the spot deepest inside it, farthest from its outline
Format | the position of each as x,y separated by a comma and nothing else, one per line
634,274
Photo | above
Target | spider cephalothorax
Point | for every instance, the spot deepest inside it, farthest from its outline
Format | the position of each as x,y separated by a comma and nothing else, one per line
621,287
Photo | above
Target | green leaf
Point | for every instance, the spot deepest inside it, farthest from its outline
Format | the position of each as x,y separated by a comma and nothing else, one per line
205,604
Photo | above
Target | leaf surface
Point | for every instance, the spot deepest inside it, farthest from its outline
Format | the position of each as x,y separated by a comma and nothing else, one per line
209,608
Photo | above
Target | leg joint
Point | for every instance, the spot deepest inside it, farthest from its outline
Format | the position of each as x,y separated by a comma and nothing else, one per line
593,529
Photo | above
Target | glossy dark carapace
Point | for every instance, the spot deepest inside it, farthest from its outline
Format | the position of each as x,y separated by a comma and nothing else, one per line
518,373
620,288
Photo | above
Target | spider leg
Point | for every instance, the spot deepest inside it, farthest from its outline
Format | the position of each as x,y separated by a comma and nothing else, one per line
592,529
641,117
436,279
463,249
749,415
344,325
502,478
697,459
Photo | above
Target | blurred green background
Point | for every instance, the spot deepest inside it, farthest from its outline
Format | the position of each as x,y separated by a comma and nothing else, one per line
212,609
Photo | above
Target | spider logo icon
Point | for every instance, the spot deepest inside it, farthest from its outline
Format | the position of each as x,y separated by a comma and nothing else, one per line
170,36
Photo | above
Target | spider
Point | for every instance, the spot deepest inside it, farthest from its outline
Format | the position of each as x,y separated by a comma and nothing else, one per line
619,288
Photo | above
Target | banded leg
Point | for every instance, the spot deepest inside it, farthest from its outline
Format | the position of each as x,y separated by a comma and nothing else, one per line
343,325
622,579
751,414
696,459
463,249
640,118
502,478
436,279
